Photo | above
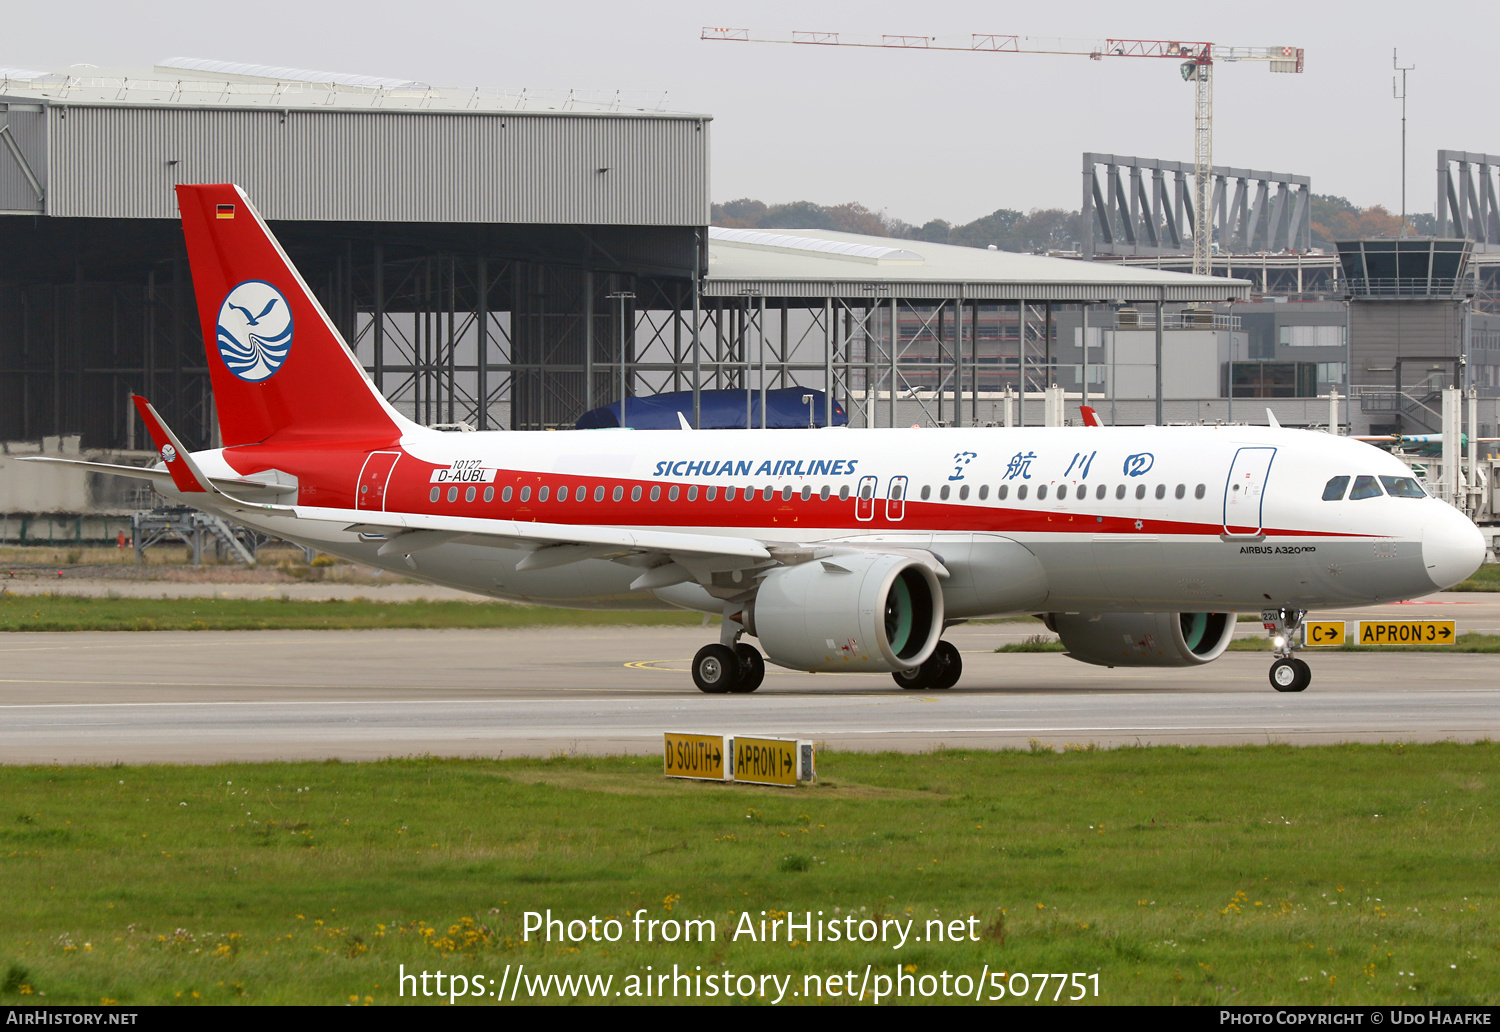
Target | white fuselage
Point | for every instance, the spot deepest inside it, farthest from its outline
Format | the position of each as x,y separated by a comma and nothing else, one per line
1026,520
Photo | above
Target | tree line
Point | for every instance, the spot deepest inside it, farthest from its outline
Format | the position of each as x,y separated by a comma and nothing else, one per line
1037,231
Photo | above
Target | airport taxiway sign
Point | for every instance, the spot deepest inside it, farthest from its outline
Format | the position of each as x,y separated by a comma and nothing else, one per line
772,761
696,756
1407,632
1323,633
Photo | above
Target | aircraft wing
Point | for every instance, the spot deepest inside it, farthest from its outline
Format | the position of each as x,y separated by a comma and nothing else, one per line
159,476
406,532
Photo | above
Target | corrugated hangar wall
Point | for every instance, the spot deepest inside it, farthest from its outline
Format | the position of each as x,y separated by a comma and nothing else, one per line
514,167
432,238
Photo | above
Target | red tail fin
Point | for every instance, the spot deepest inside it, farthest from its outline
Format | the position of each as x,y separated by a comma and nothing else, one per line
278,365
1090,417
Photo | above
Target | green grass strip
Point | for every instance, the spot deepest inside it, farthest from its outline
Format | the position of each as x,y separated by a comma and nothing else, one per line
1256,875
78,613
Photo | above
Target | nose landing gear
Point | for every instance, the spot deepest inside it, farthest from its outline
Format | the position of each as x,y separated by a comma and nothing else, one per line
1288,673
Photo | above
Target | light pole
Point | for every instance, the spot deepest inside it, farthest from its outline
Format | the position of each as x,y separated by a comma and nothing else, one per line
622,296
1402,98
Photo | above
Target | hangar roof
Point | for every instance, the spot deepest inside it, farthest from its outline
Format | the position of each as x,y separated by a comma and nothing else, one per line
202,82
822,263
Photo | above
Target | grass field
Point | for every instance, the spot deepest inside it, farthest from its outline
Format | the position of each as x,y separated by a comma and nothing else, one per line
1349,874
1486,578
80,613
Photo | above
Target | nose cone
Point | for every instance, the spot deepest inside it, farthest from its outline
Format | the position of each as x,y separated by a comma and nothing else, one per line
1452,547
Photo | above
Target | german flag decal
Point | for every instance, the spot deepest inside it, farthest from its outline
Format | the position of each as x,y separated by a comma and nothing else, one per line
225,211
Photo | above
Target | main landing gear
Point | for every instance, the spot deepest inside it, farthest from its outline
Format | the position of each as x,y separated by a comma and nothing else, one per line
1288,673
729,665
941,671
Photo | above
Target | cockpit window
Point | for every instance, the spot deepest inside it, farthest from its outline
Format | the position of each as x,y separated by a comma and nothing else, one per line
1364,487
1403,487
1334,490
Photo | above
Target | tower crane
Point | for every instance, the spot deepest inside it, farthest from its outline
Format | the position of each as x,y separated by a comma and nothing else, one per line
1196,63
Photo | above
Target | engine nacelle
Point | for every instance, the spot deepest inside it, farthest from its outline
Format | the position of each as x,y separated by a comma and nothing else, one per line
864,611
1144,639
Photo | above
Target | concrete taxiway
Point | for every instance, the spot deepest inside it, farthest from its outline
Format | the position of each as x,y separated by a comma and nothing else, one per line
204,696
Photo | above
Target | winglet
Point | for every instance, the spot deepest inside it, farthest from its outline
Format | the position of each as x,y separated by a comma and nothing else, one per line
682,421
1090,416
1271,420
179,461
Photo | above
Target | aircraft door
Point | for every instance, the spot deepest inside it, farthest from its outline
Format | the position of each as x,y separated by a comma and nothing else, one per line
895,499
864,502
373,479
1244,492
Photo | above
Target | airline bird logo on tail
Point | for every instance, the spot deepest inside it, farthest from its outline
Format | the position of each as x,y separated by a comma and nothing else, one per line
254,330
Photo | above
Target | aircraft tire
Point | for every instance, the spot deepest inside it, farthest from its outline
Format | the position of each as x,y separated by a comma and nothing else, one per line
950,666
915,680
752,668
716,669
1290,675
1306,674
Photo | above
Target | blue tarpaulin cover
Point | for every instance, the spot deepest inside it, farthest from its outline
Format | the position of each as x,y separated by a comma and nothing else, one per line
720,410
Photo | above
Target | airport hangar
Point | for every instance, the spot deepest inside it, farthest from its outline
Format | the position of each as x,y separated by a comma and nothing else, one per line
547,233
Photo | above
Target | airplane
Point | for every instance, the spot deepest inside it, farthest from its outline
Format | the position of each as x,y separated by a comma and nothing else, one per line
837,549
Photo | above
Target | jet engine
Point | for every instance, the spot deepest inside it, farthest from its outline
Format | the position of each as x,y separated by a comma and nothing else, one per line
864,611
1143,639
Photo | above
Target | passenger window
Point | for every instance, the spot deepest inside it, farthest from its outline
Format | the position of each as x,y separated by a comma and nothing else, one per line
504,495
864,492
489,494
432,495
786,493
1198,491
693,493
1002,491
617,494
452,494
1181,490
525,494
963,492
656,492
1041,492
635,493
807,492
1403,487
599,493
1333,491
541,494
562,493
1100,491
729,494
1120,491
1364,487
469,494
1140,491
926,492
765,495
823,494
943,492
1021,493
711,494
1161,491
984,491
672,493
1062,492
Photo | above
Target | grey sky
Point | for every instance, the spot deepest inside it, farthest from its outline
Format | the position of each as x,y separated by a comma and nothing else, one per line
922,135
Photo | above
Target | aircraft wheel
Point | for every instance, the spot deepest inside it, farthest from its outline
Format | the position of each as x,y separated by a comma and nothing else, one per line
1290,675
752,668
949,666
1305,671
917,679
716,669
